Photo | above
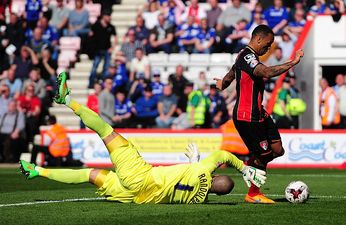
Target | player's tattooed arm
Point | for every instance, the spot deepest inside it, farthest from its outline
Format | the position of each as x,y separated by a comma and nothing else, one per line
272,71
226,81
228,78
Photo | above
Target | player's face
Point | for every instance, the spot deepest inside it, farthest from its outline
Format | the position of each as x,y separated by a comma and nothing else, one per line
266,42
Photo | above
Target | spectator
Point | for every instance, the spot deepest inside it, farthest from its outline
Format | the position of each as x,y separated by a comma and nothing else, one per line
281,114
93,98
298,5
257,10
197,109
232,14
30,105
48,66
218,109
166,107
294,94
336,8
59,16
257,19
122,116
36,42
141,32
106,101
150,16
202,82
276,58
318,8
287,44
182,121
178,81
56,146
161,36
237,37
120,80
49,33
140,65
328,103
276,17
205,38
32,12
296,26
195,11
130,45
12,123
342,104
339,82
78,20
38,83
187,35
145,109
5,97
173,12
101,33
157,85
24,62
137,88
14,84
213,13
15,31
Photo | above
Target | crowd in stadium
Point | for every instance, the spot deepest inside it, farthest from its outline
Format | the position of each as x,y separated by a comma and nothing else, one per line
129,92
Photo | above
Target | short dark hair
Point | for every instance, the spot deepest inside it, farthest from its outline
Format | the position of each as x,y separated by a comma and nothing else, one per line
262,30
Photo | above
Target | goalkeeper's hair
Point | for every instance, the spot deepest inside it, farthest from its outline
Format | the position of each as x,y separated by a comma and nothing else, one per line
221,185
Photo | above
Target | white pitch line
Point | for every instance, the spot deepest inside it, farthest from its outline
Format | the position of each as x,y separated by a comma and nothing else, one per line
101,198
51,201
302,175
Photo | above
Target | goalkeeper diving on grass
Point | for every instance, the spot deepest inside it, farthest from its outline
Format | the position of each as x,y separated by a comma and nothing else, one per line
134,180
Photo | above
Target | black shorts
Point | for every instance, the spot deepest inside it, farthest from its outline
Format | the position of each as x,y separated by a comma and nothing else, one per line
258,136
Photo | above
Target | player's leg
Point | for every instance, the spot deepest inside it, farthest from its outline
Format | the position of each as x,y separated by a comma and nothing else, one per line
70,176
129,164
254,137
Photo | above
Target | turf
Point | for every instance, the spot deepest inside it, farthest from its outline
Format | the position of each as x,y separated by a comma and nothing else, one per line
325,206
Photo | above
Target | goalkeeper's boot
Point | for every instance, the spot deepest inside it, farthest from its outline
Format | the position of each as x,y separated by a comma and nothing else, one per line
28,169
62,89
258,199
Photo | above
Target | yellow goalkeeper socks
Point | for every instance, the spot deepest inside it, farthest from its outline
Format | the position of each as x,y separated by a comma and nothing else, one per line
90,118
69,176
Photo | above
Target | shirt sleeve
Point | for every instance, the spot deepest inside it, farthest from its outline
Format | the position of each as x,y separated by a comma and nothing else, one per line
220,157
249,63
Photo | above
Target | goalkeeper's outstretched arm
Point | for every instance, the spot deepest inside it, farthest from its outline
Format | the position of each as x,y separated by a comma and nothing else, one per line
250,174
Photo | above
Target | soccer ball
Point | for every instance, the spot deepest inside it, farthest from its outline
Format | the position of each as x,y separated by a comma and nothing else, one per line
297,192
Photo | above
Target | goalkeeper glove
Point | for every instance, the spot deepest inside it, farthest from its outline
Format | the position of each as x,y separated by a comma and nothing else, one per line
254,176
192,153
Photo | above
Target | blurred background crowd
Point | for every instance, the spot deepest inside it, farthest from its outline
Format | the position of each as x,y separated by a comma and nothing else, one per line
130,92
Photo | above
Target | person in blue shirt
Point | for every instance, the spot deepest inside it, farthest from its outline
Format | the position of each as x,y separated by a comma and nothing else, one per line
122,109
145,109
205,38
319,8
218,109
119,79
157,85
276,17
187,35
32,12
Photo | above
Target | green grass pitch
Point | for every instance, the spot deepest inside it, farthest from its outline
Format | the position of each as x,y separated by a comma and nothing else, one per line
325,206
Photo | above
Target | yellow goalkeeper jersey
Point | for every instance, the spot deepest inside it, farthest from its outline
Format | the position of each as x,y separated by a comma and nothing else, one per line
184,183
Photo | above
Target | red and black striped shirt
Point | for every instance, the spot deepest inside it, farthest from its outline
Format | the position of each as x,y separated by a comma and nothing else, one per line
250,88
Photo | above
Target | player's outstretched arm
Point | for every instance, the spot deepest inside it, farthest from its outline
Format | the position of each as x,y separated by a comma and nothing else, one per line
272,71
250,174
226,81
